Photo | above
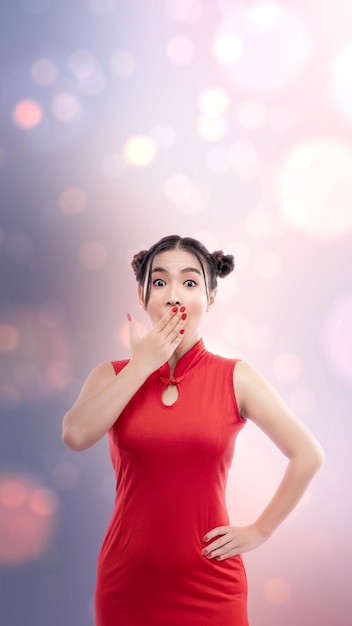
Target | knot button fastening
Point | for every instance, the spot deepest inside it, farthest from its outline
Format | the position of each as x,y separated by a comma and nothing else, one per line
172,380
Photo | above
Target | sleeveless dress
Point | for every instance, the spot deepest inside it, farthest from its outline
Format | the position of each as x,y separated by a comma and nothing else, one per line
171,464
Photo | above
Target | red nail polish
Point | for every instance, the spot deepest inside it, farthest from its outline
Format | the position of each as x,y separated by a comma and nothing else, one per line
174,309
129,317
182,309
182,332
184,316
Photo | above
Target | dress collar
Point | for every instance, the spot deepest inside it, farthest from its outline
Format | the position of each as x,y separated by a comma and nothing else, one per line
187,360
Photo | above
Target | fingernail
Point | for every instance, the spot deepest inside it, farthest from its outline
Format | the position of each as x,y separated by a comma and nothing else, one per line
205,538
184,316
174,309
129,317
182,332
204,552
182,309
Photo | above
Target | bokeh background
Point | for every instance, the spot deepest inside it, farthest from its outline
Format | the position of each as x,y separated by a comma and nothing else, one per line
122,122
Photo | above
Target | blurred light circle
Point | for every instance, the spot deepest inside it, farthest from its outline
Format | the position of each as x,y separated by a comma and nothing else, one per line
93,84
214,101
212,129
268,265
92,255
245,160
82,63
287,367
72,201
44,72
315,188
19,247
41,344
219,160
114,166
28,514
27,114
341,82
122,64
189,11
184,193
163,136
252,115
277,591
64,106
336,336
102,8
58,374
228,48
9,338
180,50
263,44
139,151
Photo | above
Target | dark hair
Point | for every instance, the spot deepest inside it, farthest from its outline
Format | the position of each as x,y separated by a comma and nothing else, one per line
217,263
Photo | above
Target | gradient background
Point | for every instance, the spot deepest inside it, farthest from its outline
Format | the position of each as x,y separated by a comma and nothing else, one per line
122,122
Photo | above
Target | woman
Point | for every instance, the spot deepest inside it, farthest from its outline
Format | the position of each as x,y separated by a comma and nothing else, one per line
172,413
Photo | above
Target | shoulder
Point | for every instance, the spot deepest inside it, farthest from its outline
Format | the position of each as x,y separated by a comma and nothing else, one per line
103,372
251,387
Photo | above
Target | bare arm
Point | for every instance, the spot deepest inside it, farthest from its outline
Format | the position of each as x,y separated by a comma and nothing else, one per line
104,395
261,404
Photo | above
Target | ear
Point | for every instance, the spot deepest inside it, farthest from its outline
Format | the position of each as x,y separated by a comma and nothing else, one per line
211,300
141,296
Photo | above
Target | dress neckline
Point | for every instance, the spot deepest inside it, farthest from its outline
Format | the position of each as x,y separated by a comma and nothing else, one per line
185,361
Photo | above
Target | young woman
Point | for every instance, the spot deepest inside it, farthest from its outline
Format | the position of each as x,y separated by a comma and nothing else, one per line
172,413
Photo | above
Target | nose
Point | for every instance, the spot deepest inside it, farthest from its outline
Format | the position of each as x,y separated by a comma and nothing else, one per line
173,302
172,297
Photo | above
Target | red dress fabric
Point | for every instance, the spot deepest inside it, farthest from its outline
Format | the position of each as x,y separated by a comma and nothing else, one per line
171,465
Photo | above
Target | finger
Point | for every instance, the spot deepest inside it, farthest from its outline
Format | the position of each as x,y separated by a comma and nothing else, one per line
215,532
175,330
218,547
171,315
132,328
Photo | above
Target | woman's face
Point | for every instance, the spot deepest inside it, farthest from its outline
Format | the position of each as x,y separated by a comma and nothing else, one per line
177,279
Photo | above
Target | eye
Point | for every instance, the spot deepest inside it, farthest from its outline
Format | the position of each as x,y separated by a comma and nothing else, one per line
159,282
190,283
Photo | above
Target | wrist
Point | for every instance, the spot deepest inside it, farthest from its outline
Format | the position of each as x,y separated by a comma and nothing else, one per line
263,528
139,370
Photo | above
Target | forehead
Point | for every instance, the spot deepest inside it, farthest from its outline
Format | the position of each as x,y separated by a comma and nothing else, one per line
176,260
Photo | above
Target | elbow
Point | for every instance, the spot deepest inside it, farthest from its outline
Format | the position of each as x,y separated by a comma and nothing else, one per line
315,459
71,437
320,456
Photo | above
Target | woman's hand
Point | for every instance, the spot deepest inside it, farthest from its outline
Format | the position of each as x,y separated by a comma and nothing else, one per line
157,346
232,540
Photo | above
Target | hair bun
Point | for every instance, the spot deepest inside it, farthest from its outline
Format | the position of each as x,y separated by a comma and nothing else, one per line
137,260
225,263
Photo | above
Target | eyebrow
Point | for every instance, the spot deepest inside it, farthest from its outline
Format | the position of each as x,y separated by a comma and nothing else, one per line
186,270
